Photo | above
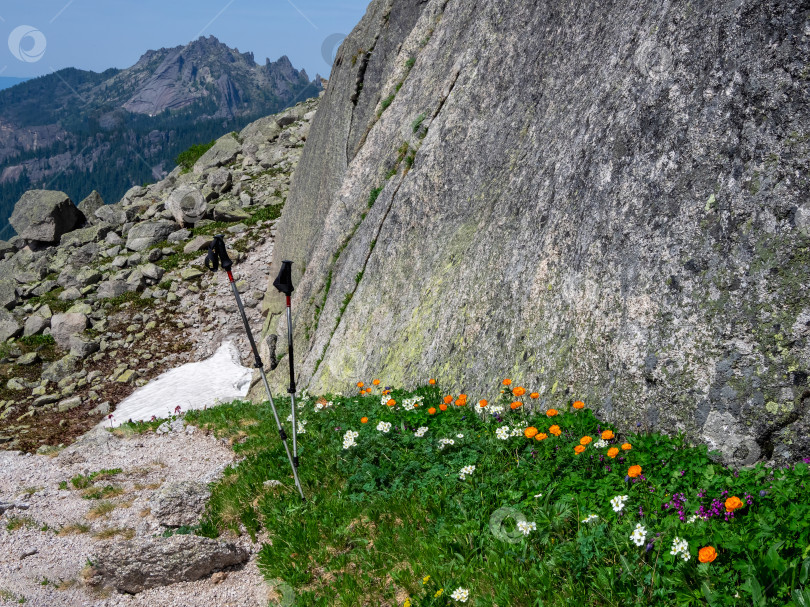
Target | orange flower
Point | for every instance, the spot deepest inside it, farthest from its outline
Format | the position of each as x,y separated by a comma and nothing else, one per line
432,381
376,382
555,430
463,397
432,411
707,554
360,384
530,432
534,395
627,447
541,436
448,399
391,402
460,402
733,503
507,382
551,412
585,440
519,391
579,449
578,405
607,434
634,471
363,420
612,452
516,405
482,403
443,407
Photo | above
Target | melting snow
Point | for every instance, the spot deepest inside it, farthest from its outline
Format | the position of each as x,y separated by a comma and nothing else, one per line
192,386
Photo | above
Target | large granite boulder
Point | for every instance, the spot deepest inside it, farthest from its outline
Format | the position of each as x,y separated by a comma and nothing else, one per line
139,564
224,152
8,292
180,503
90,205
44,215
9,327
115,214
187,205
65,325
149,233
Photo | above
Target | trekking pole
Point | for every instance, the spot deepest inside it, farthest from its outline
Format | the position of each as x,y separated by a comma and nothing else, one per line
217,255
283,284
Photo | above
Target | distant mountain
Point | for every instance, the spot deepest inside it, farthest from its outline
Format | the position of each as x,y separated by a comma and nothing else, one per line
9,81
79,131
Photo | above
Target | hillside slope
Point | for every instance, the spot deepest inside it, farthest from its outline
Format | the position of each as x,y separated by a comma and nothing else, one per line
610,204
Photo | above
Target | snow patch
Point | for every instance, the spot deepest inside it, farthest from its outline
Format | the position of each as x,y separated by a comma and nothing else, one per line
220,378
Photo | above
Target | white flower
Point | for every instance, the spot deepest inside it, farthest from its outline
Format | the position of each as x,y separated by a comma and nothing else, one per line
692,519
517,431
494,408
526,527
421,432
443,442
384,427
591,518
461,595
465,471
539,495
502,432
618,502
348,439
384,399
639,535
409,404
600,444
459,436
680,546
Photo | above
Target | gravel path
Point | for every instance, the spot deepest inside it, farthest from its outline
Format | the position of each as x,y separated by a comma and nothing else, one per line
42,559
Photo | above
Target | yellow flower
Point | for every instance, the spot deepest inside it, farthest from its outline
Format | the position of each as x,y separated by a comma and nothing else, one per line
407,603
426,579
438,593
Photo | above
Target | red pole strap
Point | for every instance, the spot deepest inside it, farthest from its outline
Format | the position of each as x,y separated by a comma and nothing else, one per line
288,301
230,276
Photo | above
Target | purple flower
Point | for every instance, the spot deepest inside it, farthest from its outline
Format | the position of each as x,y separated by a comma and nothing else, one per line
763,493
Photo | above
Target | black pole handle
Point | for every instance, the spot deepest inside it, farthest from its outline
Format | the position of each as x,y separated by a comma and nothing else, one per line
218,255
283,281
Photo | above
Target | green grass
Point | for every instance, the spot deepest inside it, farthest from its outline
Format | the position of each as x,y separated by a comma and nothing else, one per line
83,481
265,214
383,515
51,298
189,158
133,299
386,103
372,197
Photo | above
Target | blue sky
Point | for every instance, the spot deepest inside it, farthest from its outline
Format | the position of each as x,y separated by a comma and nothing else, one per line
98,34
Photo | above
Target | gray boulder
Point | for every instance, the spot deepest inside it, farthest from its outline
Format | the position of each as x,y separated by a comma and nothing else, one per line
152,272
82,346
230,211
224,152
8,293
199,243
90,205
81,278
82,236
181,503
44,215
60,369
143,563
9,327
149,233
115,214
220,180
111,288
187,205
65,325
36,324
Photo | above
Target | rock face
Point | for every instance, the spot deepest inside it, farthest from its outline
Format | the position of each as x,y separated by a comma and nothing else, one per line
178,504
44,215
619,216
144,563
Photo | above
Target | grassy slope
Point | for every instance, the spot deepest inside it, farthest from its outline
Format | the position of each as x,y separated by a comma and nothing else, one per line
383,515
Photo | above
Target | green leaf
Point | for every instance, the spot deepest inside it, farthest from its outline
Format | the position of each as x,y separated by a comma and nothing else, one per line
755,589
708,472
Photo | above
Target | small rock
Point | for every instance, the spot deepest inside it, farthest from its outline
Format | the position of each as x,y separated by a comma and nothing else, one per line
28,359
200,243
191,273
126,377
69,404
36,324
65,325
181,503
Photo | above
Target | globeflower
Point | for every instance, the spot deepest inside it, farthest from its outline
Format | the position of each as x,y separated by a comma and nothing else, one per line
585,440
579,449
627,447
612,452
534,395
707,554
507,382
530,432
541,436
551,412
376,382
733,503
391,402
634,471
363,420
443,407
519,391
516,405
555,430
360,384
482,403
607,435
432,381
432,411
578,405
